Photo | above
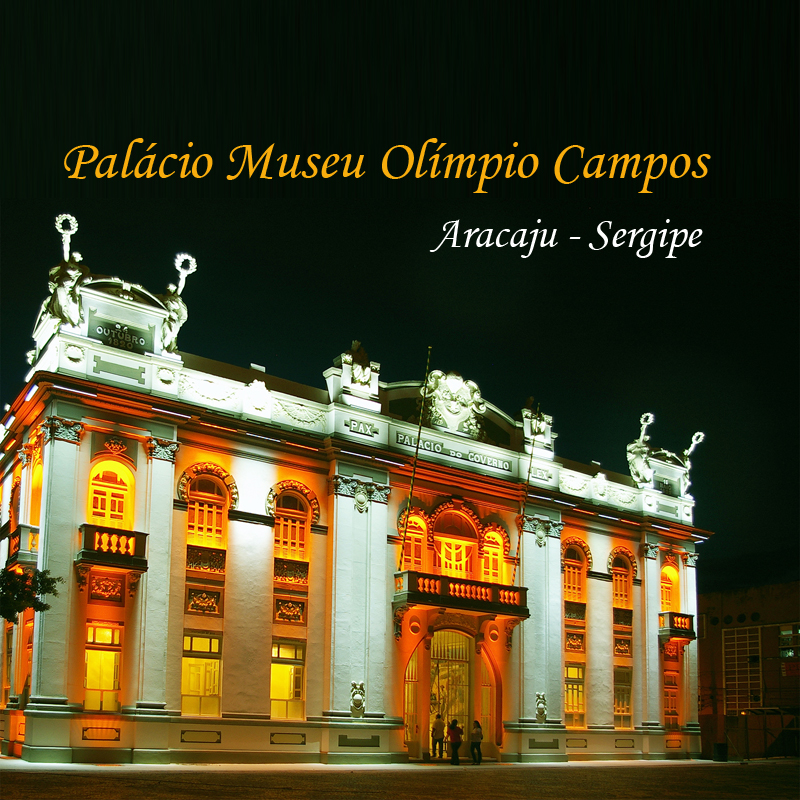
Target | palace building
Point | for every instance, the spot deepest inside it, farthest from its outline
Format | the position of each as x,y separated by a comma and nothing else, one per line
256,570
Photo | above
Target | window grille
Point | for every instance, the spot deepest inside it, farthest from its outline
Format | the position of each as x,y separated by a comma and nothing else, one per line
742,669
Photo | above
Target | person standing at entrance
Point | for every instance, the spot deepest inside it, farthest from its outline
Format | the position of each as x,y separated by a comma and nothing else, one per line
475,739
454,737
437,736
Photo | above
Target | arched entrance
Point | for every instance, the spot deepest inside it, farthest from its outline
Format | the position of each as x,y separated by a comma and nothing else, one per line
452,679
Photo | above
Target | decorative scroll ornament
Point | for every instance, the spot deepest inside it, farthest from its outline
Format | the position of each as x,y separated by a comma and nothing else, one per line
363,493
133,582
177,313
105,588
399,613
358,698
622,551
541,527
288,571
299,413
208,468
290,611
690,559
639,454
541,707
510,625
162,449
457,404
462,622
65,430
115,445
293,486
203,602
66,233
574,541
650,550
572,484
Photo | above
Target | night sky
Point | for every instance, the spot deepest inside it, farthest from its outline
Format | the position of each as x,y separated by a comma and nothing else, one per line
291,271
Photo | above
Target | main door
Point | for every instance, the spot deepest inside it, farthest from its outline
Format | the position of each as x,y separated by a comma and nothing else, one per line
450,677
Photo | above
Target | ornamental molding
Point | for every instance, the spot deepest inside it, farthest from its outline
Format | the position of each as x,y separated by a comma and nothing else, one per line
362,492
293,486
650,550
572,484
64,430
399,613
104,587
690,559
541,527
622,551
213,391
208,468
133,582
502,533
622,497
292,611
203,601
115,445
303,415
459,508
258,396
509,628
161,449
574,541
461,622
456,404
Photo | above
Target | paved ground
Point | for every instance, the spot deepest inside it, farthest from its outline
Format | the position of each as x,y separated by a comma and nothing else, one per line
695,779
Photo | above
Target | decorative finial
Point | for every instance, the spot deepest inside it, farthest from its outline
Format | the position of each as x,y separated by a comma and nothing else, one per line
696,439
179,259
646,419
66,233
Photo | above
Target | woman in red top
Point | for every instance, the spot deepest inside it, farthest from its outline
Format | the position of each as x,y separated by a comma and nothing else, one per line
454,737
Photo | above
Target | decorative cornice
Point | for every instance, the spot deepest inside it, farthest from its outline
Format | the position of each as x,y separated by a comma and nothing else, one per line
208,468
65,430
362,492
650,550
690,559
293,486
161,449
541,527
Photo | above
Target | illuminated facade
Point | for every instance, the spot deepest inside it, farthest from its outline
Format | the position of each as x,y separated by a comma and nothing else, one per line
246,578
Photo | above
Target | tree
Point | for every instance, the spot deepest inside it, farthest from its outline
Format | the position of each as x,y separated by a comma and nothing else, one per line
21,590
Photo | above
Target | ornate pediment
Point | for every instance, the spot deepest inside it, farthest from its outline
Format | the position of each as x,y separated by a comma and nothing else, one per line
453,403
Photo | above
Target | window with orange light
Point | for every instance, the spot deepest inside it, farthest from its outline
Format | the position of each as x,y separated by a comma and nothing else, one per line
291,526
574,695
413,548
111,491
455,540
206,522
492,562
670,600
103,656
621,578
574,575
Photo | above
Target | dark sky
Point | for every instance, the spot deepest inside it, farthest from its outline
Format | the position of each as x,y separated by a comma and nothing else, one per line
290,271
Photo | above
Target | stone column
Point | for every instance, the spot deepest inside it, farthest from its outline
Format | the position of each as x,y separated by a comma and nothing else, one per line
599,655
360,598
689,678
651,657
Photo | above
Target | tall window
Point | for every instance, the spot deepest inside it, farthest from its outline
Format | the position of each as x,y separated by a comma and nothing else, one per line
493,558
574,696
111,487
201,670
454,545
206,522
414,544
7,662
671,717
622,697
287,684
621,577
101,679
34,514
670,600
410,712
574,575
291,527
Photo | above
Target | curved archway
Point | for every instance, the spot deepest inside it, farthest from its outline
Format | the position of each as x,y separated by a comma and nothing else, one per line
208,468
295,487
111,494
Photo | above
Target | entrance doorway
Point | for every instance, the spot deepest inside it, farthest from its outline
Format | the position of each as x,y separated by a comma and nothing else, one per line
450,683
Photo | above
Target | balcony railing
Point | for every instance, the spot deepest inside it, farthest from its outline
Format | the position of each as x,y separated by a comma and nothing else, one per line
113,547
420,588
23,545
674,625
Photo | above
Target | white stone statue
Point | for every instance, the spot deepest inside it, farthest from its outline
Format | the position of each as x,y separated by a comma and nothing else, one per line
698,437
457,404
173,302
541,707
639,454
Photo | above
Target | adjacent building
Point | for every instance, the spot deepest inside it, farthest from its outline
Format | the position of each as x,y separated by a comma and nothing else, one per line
257,570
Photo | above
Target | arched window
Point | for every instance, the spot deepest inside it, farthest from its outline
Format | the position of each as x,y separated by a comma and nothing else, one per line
454,545
493,558
574,574
111,489
14,505
670,600
207,519
621,577
291,526
413,549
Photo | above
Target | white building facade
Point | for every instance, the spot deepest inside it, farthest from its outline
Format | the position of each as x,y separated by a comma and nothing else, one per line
250,575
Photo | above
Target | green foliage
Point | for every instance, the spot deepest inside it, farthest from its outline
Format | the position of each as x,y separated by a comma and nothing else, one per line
21,590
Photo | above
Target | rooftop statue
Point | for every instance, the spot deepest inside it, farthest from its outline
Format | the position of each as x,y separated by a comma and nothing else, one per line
64,303
173,302
639,454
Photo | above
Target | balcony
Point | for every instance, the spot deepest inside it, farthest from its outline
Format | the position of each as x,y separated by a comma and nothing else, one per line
673,625
112,547
23,546
422,589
